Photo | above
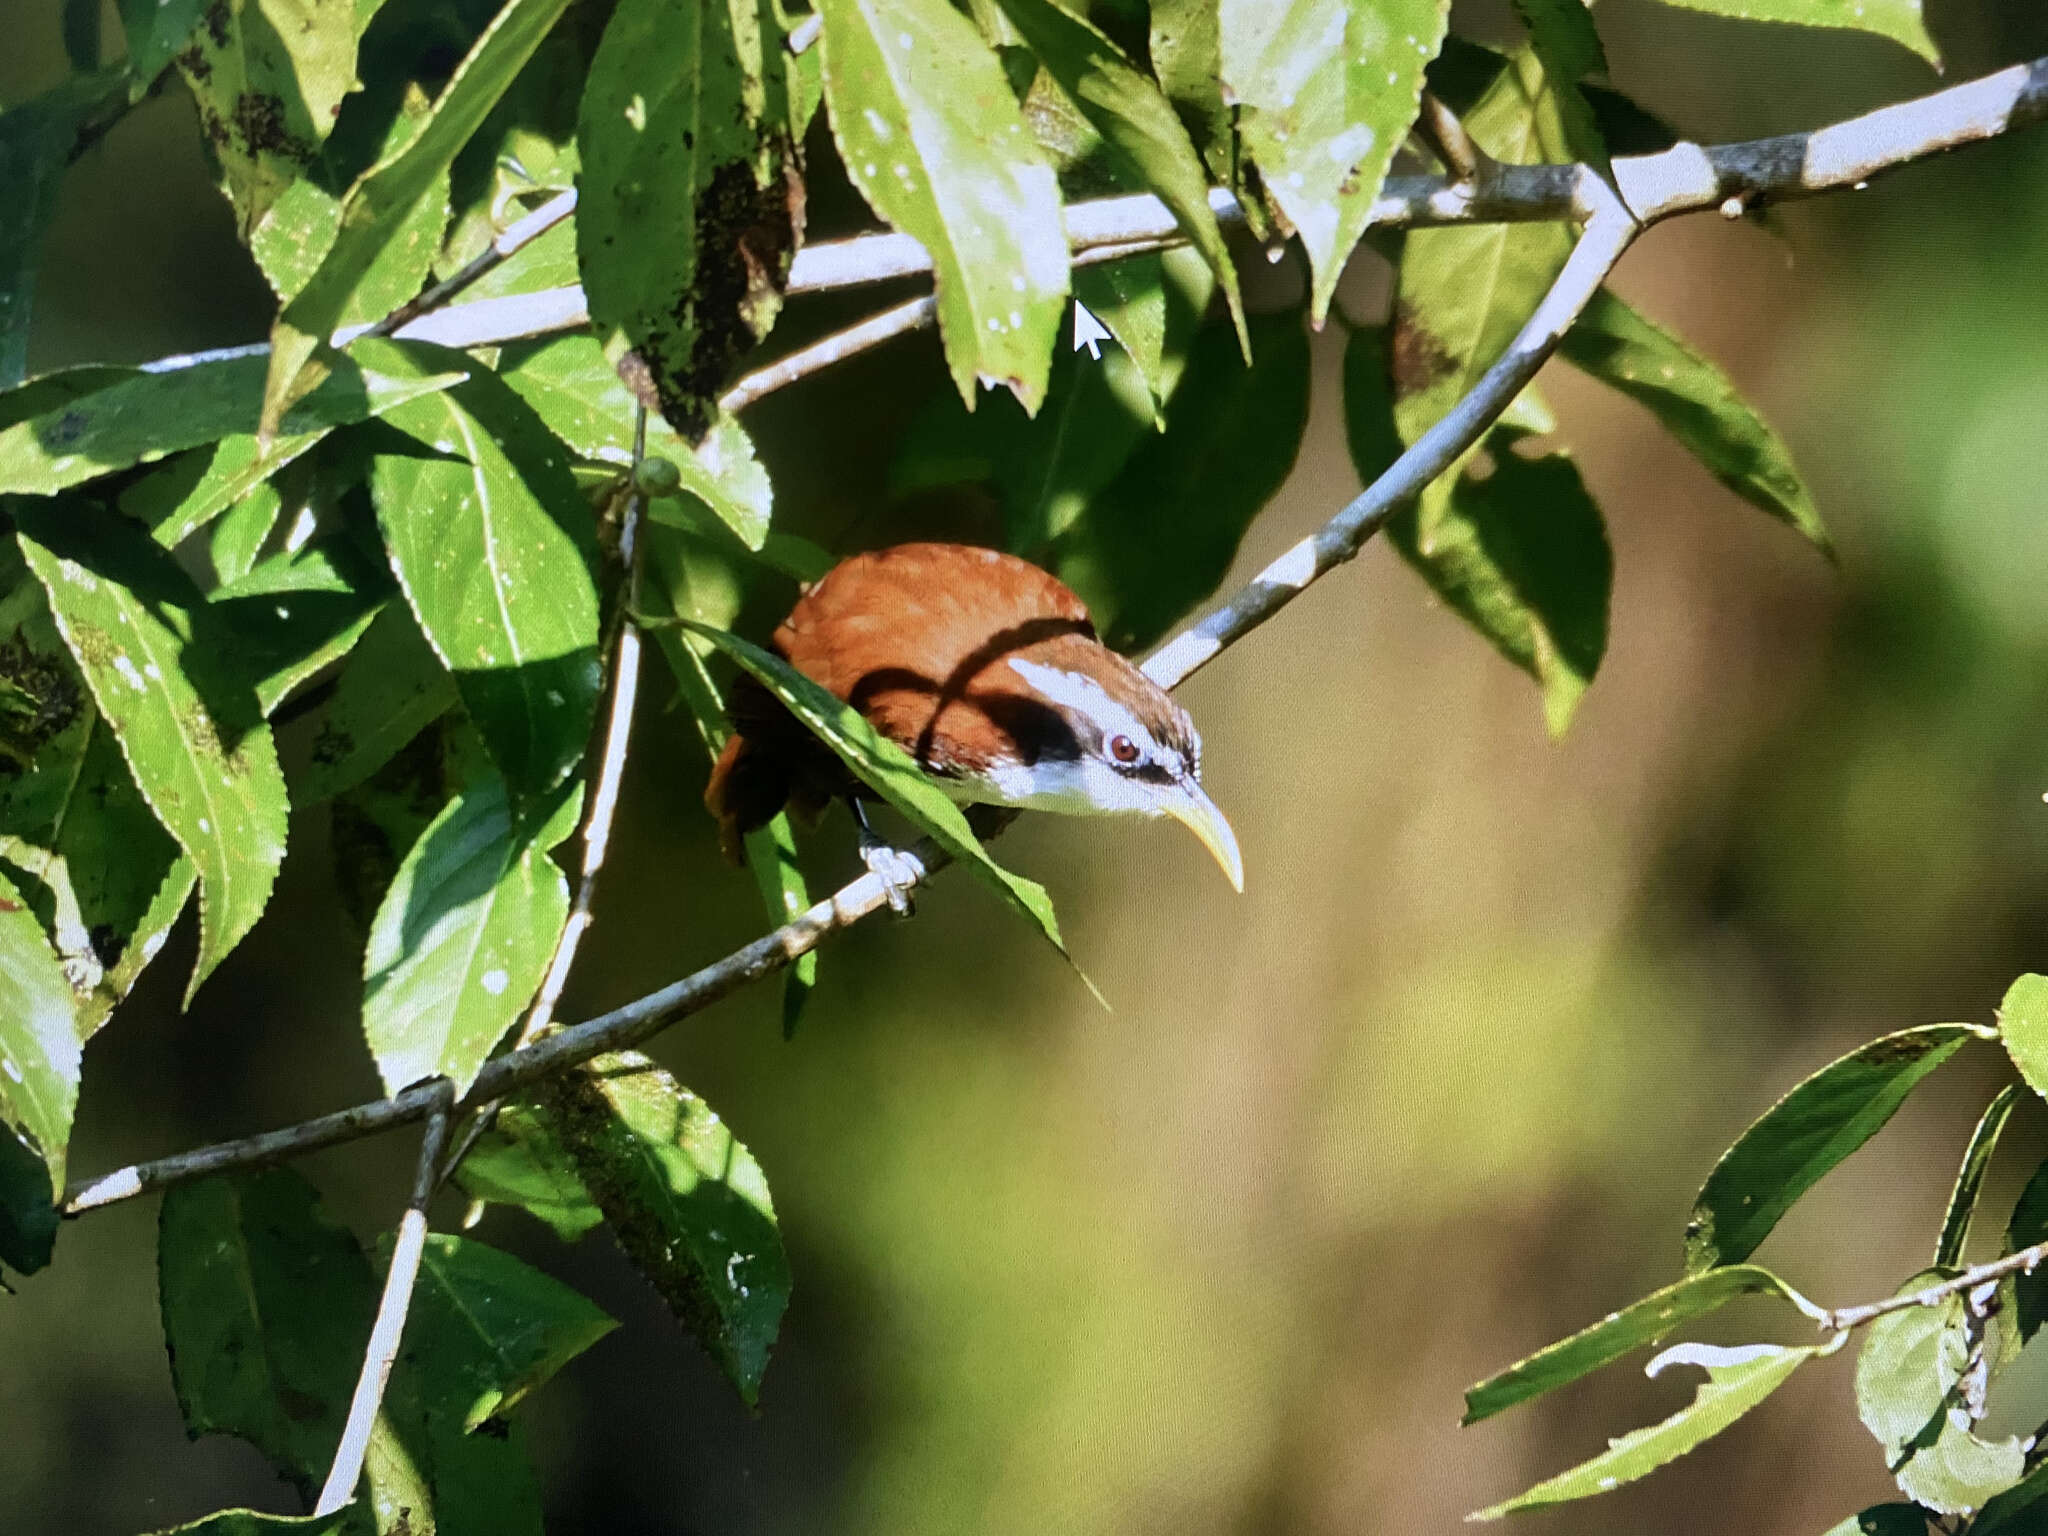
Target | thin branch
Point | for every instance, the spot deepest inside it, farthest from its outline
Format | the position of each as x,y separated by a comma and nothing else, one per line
1655,187
836,348
2026,1261
510,242
389,1328
1446,134
804,33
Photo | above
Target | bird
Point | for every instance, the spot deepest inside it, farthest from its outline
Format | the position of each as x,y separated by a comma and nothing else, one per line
988,672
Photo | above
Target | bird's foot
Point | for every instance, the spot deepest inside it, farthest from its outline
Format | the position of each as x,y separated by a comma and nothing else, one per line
898,870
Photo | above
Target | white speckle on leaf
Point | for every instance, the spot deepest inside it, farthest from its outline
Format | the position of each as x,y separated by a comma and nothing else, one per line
877,124
205,825
128,673
636,112
1016,319
153,672
494,982
12,1070
904,41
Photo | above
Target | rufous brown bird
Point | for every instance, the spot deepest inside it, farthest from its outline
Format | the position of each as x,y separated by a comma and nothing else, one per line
988,673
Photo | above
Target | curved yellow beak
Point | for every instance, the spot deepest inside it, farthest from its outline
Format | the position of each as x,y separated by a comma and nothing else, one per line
1187,804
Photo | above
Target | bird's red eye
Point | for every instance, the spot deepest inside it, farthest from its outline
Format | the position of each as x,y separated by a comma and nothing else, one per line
1123,749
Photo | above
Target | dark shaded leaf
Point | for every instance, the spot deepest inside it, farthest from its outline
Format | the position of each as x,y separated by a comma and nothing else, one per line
1883,1520
1806,1133
2027,1228
1644,1322
156,30
392,689
2014,1511
686,1202
1962,1201
28,1208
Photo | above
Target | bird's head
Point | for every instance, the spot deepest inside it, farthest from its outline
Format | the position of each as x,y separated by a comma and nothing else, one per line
1114,743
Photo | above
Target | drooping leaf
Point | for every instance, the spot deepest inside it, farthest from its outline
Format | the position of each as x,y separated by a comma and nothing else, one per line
1898,20
40,1048
581,397
37,141
384,201
1326,90
1153,305
683,227
159,671
686,1201
1159,537
889,771
1962,1201
1697,404
2023,1025
1644,1322
522,1161
462,939
492,1329
154,414
1737,1380
268,77
1137,123
392,688
1805,1134
932,138
267,1302
494,546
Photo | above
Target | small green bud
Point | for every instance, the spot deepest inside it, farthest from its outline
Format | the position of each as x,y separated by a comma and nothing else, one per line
657,477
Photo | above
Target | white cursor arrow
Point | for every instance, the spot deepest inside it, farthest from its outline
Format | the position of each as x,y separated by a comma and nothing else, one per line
1089,332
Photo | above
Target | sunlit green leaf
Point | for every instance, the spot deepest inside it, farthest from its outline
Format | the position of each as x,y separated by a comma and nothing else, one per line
494,547
1910,1361
580,396
932,138
1564,38
1806,1133
39,1047
1737,1380
1898,20
1161,536
461,941
158,667
1325,91
889,771
1644,1322
521,1161
2023,1025
1187,55
267,1302
1962,1201
155,414
683,227
1697,403
384,201
686,1202
1137,124
1153,305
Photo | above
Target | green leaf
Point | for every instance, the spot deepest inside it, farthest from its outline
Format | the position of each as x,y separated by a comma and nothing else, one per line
1697,404
28,1208
685,1200
235,541
1737,1380
37,141
40,1046
1898,20
378,820
2027,1228
522,1161
1806,1133
200,753
461,940
287,635
584,402
1186,48
1644,1322
1883,1520
933,139
1161,536
247,1522
1568,44
156,30
267,1301
1462,294
268,77
1325,91
2011,1512
492,1329
888,770
1138,126
76,838
393,688
494,547
1962,1201
154,414
1153,305
1521,555
2023,1025
1911,1361
683,225
383,202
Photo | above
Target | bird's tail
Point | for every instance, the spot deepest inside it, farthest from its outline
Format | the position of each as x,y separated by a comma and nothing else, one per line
747,787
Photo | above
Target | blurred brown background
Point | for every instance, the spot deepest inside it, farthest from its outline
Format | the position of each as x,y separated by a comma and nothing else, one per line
1437,1090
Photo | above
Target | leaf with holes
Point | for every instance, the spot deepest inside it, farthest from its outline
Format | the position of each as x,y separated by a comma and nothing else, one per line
684,226
1324,93
462,938
932,137
156,664
685,1200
